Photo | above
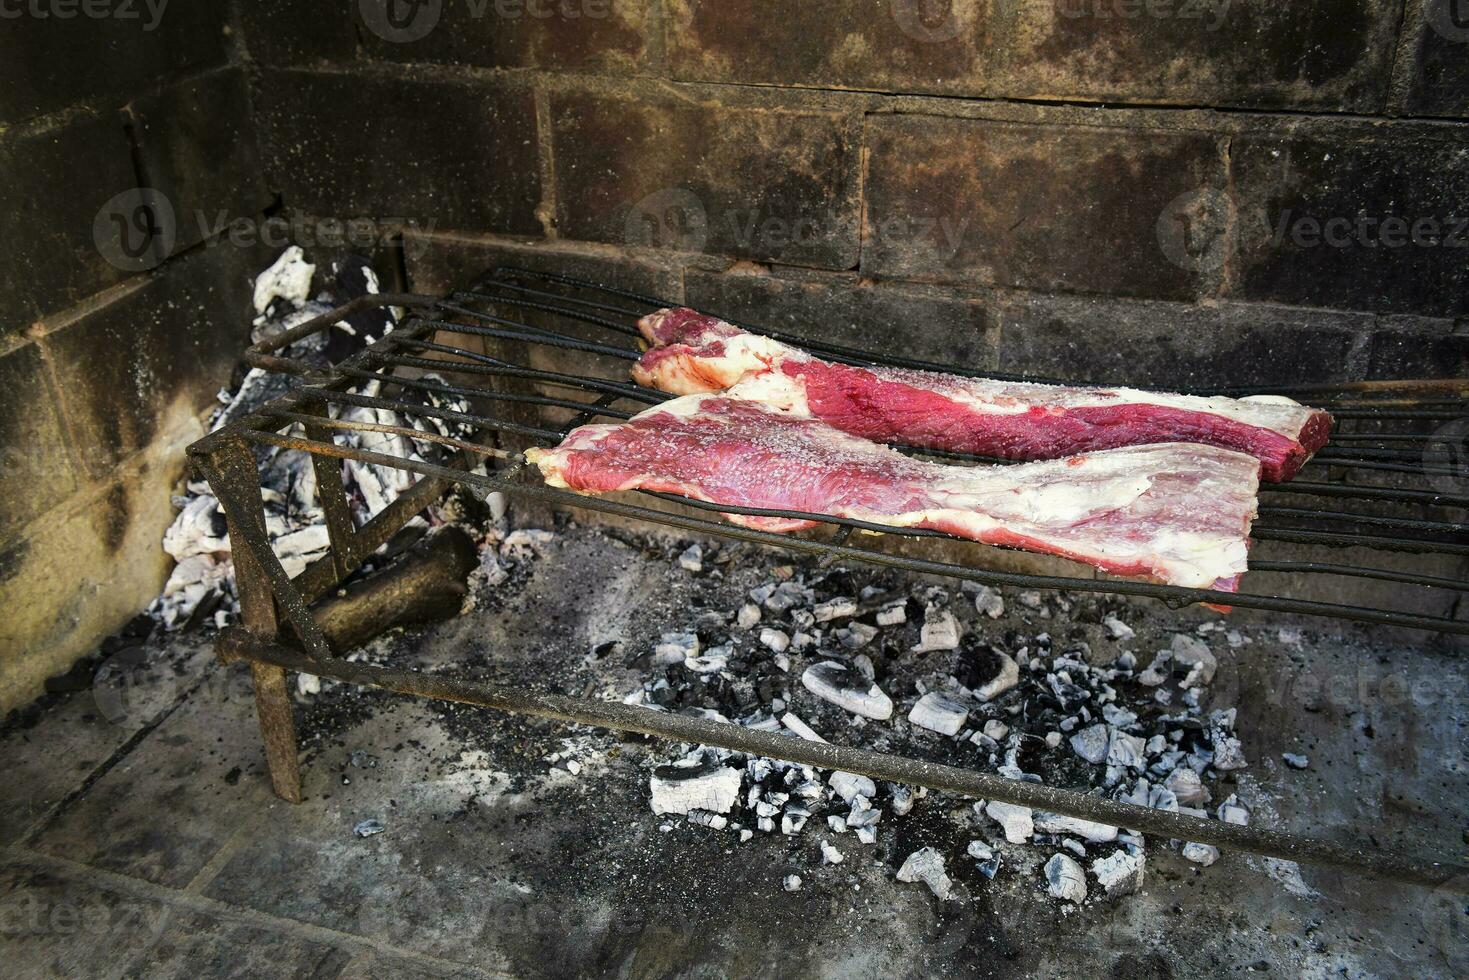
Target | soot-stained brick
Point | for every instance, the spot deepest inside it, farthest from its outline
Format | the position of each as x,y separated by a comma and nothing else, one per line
1326,54
197,147
1417,347
571,34
1175,345
1439,70
447,154
751,182
36,472
298,32
930,324
51,62
56,181
1045,207
891,45
166,346
1375,223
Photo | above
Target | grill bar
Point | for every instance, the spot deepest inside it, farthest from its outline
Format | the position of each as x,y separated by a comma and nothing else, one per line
594,307
230,468
1353,858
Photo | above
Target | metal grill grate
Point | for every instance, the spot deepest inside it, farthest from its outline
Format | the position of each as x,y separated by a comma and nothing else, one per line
1378,480
1340,500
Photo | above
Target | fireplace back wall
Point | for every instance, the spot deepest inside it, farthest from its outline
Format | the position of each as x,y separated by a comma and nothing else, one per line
1175,193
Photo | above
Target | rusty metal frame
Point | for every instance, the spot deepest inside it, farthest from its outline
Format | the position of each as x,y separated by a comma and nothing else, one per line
278,633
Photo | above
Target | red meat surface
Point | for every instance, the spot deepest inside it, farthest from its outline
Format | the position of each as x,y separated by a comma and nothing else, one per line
1176,513
694,353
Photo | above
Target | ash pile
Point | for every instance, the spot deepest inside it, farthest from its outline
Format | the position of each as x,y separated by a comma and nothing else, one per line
200,589
931,673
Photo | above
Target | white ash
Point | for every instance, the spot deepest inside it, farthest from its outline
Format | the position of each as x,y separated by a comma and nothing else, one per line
369,828
849,785
1295,760
1092,743
1065,880
940,631
1073,711
1055,823
842,608
902,798
1203,854
1119,873
791,883
679,789
203,575
786,596
988,602
704,818
775,640
692,559
795,724
1232,811
675,648
1125,751
1016,821
938,713
1186,786
1007,678
1118,630
847,689
288,278
1194,655
927,865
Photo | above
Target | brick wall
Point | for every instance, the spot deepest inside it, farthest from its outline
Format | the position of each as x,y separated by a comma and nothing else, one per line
1163,191
112,341
1168,191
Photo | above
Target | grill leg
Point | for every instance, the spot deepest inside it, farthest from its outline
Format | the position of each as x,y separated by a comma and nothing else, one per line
235,481
278,728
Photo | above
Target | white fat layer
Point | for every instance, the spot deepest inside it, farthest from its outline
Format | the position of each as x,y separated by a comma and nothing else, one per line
751,362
